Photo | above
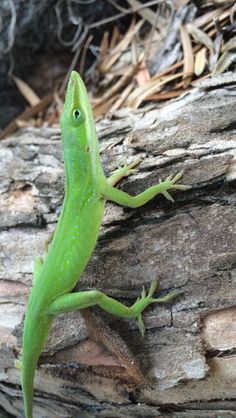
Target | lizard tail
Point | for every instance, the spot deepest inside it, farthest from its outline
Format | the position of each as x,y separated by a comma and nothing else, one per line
35,334
27,383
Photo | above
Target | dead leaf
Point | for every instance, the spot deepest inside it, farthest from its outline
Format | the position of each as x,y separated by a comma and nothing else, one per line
217,47
209,17
226,59
119,102
179,3
59,103
204,77
134,51
153,86
167,95
121,46
188,69
231,44
103,48
146,13
142,76
26,91
23,123
104,107
200,61
232,13
168,69
200,36
122,81
114,37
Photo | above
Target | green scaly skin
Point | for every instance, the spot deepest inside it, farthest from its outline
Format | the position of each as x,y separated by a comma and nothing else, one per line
75,237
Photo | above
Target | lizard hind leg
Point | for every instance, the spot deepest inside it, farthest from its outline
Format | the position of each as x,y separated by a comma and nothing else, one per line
79,300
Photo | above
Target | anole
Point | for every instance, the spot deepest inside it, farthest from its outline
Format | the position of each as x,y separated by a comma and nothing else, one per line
86,192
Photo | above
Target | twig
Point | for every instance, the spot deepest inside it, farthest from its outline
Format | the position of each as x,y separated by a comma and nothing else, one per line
12,25
73,62
83,55
75,21
131,10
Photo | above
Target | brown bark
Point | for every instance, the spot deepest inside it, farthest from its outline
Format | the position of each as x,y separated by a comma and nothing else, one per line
188,352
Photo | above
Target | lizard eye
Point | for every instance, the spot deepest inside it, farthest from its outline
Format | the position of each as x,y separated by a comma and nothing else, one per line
77,117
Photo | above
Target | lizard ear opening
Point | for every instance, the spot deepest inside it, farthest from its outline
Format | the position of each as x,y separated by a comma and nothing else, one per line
77,117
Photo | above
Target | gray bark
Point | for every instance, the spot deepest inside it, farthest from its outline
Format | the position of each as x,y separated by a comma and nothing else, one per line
188,352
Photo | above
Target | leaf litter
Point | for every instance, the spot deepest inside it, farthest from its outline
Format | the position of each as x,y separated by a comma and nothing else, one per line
123,72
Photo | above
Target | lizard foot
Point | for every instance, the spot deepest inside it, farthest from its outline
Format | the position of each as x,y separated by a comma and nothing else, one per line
148,299
170,183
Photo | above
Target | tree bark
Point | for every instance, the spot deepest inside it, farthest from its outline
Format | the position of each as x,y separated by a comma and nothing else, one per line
188,352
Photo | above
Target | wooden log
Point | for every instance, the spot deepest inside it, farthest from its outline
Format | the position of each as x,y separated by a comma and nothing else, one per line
188,352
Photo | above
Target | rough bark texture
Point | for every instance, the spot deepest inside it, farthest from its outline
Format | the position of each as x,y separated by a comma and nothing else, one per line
188,352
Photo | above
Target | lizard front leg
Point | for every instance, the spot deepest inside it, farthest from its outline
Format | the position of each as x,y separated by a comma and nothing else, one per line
118,196
122,172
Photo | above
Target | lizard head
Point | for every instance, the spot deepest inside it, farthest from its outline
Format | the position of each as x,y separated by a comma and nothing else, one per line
77,122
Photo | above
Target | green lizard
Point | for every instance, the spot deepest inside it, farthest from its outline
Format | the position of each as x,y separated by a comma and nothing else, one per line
75,237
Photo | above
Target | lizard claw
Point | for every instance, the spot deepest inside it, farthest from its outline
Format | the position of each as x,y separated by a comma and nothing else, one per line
18,364
131,168
152,288
143,294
